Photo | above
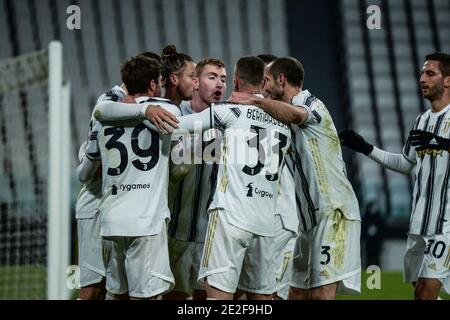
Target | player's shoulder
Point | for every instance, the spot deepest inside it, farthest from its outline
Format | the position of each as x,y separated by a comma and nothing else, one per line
306,98
116,94
167,104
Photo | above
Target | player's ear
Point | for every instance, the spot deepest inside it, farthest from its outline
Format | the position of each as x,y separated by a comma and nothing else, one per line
152,85
446,82
281,79
196,81
236,84
173,79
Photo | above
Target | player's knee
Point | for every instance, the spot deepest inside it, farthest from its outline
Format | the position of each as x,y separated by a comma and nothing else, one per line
92,293
425,291
327,292
297,294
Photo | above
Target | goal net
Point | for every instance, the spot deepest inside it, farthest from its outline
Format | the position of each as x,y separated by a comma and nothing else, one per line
34,176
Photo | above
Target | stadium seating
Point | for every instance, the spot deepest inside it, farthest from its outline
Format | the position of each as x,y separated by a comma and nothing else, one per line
410,29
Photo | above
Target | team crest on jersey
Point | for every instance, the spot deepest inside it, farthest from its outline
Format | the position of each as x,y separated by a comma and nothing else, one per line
446,126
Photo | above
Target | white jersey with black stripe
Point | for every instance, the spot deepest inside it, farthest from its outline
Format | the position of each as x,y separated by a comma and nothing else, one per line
88,200
135,169
189,198
252,151
320,174
430,208
287,201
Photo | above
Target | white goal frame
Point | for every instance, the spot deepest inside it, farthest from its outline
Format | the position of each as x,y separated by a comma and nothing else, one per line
58,223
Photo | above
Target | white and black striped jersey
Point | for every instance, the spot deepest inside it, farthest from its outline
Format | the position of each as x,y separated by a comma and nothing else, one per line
135,169
287,200
189,198
320,174
252,151
88,200
430,207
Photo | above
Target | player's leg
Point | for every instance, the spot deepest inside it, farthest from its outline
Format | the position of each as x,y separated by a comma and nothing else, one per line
427,289
113,249
199,292
148,267
284,250
299,283
258,275
180,254
427,262
222,257
336,259
92,271
95,291
298,294
325,292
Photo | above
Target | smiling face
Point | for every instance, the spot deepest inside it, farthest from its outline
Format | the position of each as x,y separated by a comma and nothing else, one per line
211,84
432,81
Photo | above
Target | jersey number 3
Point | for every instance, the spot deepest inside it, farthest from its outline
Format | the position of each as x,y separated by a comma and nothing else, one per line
114,143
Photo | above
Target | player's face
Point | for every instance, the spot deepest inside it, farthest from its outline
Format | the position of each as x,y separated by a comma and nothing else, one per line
431,81
271,88
211,84
157,91
186,81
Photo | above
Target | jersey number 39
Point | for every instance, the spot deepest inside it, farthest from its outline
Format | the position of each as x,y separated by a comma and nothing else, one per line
114,143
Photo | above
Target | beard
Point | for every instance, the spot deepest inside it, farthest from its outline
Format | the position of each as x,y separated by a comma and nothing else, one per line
434,92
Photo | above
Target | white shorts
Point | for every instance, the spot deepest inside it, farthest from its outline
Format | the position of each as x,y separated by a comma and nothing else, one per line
90,260
329,253
428,257
185,259
284,251
138,265
233,256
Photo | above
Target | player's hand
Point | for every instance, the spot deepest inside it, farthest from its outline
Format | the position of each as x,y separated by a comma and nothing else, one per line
242,98
354,141
164,120
428,140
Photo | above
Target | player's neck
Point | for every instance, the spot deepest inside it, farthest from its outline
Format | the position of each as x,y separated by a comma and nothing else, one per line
139,95
250,90
198,104
290,92
440,104
172,95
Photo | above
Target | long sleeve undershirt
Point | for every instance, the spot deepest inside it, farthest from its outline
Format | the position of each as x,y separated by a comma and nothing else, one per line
393,161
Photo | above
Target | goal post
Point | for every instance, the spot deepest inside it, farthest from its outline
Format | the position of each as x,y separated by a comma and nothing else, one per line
35,175
58,241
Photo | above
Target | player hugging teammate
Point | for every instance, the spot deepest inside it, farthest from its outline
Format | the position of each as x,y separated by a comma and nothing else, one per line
244,194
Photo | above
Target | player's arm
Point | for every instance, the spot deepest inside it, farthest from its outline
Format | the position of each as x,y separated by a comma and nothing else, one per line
282,111
89,155
394,161
158,117
180,165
